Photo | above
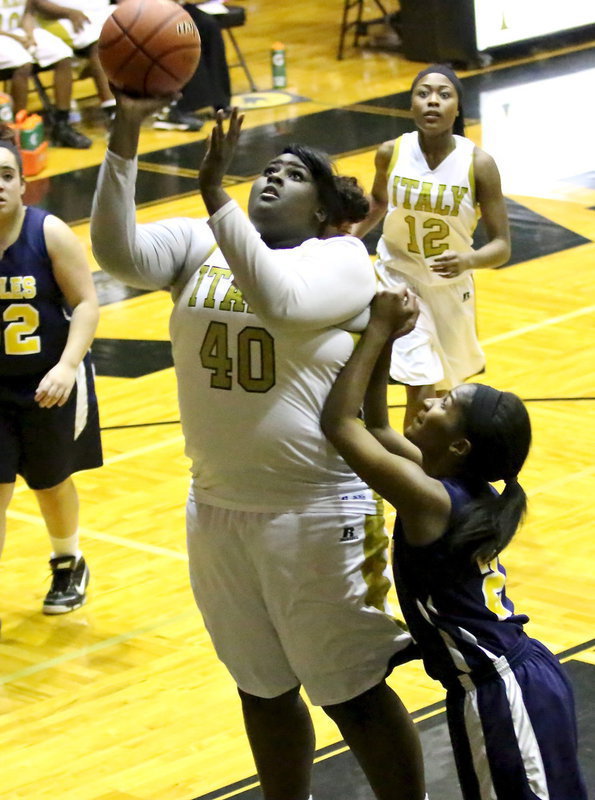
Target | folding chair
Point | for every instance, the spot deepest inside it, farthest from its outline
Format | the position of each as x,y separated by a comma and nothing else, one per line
235,18
359,25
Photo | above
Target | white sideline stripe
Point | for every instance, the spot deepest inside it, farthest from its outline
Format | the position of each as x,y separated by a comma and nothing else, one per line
501,337
121,541
141,450
124,456
94,648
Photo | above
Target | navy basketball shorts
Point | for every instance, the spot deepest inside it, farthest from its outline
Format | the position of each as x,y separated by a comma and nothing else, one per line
46,445
514,735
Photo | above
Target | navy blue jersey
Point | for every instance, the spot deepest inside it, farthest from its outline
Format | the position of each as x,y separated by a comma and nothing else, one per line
459,615
33,313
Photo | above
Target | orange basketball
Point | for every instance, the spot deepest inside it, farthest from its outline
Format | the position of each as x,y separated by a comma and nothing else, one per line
149,48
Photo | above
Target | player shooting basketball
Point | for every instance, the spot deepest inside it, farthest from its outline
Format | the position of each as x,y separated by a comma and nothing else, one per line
286,544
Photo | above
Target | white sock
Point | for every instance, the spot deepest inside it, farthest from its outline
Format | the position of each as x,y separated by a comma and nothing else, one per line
108,103
66,547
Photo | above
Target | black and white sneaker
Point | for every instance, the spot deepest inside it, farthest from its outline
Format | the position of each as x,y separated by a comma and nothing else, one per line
172,119
69,585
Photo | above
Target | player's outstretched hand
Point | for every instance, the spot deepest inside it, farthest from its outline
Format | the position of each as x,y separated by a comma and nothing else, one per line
136,109
395,311
220,150
130,113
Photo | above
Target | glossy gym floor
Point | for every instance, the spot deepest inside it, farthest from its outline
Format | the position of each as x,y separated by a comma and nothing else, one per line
124,699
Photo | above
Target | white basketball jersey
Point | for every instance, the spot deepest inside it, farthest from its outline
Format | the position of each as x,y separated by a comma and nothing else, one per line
429,210
11,13
251,397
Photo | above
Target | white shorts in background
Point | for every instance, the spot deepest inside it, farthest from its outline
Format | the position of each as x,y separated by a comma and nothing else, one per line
48,50
443,349
287,598
63,28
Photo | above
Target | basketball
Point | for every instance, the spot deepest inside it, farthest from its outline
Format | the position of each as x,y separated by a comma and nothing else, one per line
149,48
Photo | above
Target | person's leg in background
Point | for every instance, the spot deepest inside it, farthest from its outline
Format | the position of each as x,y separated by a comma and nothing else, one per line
51,52
210,86
59,506
6,491
107,101
63,134
19,86
15,57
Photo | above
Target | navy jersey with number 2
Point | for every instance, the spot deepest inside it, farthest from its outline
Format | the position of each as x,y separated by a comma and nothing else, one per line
32,309
44,445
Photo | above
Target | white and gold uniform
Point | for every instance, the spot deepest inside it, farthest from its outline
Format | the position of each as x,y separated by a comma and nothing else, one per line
430,211
46,50
286,544
97,12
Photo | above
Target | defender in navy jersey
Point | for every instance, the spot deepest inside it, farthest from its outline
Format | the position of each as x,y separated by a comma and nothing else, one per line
49,423
510,707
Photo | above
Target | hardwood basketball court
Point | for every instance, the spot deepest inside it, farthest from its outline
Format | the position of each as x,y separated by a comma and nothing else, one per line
124,698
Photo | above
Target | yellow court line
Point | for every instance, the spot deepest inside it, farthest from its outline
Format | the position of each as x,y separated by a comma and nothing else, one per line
166,169
535,326
241,790
319,759
94,648
384,111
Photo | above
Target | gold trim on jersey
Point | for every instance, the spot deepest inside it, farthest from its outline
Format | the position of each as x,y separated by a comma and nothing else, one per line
472,178
395,156
376,558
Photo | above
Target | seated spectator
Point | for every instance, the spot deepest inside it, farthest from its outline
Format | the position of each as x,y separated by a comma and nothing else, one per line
209,89
78,23
24,44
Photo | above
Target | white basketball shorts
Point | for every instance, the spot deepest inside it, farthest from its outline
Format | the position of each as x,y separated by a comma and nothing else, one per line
48,50
64,29
443,349
295,598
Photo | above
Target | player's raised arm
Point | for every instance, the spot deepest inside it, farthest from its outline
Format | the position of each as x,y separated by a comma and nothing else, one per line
151,256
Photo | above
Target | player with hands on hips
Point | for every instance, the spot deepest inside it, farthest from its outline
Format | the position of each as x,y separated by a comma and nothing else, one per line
285,542
430,186
509,704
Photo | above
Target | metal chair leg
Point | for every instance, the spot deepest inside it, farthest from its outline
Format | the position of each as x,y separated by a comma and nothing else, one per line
241,60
